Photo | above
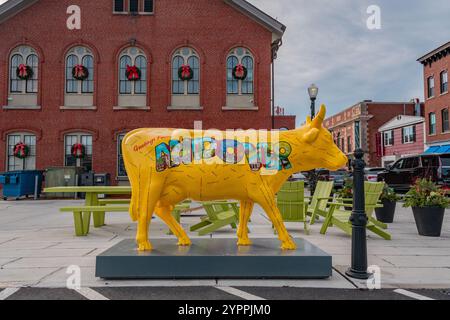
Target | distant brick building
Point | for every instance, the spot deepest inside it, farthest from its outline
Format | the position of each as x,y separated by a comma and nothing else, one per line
437,98
357,126
144,63
402,136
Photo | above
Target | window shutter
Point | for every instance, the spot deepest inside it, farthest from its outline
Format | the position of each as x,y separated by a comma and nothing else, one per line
414,133
403,135
392,137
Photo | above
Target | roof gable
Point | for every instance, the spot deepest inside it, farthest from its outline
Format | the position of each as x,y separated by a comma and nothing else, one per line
12,7
401,121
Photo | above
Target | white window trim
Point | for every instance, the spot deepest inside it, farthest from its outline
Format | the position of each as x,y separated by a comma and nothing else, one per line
17,51
247,53
119,177
22,139
80,57
126,52
392,137
78,134
127,9
186,58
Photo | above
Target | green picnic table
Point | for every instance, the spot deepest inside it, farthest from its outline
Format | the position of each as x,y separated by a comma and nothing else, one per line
94,205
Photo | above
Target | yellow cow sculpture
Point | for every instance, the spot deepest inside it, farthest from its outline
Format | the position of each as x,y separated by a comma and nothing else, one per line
168,166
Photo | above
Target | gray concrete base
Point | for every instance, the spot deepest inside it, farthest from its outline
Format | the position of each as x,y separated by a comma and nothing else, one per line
214,259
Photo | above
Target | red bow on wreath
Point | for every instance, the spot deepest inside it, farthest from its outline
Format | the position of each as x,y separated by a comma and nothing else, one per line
78,150
20,150
79,71
185,71
133,73
23,71
240,71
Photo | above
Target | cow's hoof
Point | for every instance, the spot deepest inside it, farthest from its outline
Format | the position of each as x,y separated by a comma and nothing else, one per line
289,245
184,242
145,246
244,242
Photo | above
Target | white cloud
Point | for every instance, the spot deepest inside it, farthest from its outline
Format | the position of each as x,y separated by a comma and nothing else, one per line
327,43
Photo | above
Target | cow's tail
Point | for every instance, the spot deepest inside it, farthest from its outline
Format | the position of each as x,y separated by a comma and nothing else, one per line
139,177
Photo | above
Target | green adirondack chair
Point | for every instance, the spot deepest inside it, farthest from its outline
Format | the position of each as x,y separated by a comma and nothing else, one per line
317,205
340,218
219,215
176,213
291,203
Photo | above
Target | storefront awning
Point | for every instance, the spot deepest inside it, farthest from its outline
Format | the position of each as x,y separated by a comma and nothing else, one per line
438,150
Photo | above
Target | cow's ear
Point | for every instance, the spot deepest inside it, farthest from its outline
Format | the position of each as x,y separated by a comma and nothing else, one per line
308,120
311,136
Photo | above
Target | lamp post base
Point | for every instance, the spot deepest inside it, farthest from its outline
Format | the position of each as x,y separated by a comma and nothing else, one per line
362,275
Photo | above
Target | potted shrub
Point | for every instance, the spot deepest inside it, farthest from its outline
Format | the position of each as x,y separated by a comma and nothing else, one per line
389,200
346,193
428,202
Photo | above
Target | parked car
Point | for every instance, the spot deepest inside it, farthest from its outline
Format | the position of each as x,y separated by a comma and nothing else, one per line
404,173
371,174
298,177
338,177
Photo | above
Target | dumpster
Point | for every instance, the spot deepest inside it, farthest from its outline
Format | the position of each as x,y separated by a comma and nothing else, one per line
18,184
62,177
86,180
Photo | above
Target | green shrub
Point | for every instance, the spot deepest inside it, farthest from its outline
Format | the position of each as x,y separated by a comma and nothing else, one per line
389,194
426,193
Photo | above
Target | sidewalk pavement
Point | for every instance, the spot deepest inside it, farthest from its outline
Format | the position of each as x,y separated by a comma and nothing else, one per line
37,245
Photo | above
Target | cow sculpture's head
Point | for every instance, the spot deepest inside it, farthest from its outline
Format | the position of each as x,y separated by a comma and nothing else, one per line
317,149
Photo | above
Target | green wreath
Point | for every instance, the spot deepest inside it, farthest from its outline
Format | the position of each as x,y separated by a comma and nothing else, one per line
24,72
21,150
240,72
185,73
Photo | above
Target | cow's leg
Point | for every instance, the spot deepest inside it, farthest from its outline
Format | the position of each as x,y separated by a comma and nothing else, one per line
165,213
150,192
265,197
244,216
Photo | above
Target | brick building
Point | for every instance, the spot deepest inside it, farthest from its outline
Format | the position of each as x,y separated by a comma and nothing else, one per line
437,100
357,126
401,137
142,63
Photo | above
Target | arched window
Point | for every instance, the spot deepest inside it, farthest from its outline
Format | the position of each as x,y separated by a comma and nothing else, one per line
240,56
130,58
79,56
23,57
185,57
15,163
185,86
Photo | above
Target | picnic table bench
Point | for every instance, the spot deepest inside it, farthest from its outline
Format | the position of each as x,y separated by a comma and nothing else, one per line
96,207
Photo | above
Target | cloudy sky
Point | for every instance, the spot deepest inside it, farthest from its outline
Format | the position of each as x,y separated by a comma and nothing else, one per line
328,43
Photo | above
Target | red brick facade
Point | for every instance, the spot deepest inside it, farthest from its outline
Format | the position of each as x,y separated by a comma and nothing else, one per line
435,63
211,27
368,116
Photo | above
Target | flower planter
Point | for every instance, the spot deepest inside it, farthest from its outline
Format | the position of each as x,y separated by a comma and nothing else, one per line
429,220
386,214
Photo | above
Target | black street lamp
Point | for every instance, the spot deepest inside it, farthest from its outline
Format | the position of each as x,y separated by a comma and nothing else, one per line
358,270
313,91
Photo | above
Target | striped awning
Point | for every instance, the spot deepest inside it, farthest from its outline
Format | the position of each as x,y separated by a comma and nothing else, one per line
438,150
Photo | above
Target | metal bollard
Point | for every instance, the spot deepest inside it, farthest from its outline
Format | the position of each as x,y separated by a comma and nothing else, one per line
358,269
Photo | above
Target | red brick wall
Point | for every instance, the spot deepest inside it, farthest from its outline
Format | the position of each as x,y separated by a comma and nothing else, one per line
399,149
285,122
437,103
209,26
382,113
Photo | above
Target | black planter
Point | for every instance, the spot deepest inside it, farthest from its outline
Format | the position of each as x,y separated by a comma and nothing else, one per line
429,220
386,214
